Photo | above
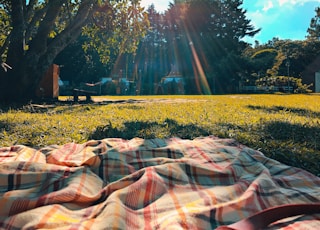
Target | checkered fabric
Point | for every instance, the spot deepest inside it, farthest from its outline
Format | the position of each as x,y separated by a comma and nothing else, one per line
147,184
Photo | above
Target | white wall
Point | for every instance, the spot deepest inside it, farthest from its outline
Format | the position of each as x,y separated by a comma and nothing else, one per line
317,82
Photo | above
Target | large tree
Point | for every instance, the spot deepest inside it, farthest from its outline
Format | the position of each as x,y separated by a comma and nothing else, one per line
39,31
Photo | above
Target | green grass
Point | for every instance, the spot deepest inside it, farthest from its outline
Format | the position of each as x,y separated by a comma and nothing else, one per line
283,127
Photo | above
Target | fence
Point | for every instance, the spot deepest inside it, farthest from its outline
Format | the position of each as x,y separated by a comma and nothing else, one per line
257,89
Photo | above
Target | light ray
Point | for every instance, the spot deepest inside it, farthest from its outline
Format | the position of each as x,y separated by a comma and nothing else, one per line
199,73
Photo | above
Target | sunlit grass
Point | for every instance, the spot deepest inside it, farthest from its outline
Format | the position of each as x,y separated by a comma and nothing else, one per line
284,127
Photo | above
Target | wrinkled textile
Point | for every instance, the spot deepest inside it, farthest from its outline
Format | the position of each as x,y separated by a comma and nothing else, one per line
147,184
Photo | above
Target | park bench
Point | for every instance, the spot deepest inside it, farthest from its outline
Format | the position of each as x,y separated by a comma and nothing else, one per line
81,92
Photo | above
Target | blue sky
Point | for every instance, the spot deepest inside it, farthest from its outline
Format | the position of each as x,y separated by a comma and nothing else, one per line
285,19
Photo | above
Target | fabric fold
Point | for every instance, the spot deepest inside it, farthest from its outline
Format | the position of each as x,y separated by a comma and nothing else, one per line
147,184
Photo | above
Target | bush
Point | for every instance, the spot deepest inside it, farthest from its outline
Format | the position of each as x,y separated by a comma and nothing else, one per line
282,82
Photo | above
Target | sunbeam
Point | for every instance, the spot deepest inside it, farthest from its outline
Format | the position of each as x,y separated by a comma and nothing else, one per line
199,73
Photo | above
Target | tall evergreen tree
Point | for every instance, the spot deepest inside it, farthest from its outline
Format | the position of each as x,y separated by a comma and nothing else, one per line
314,28
152,57
208,36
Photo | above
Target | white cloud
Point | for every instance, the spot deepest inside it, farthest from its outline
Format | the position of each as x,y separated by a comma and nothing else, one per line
160,5
287,19
256,17
267,6
282,2
295,2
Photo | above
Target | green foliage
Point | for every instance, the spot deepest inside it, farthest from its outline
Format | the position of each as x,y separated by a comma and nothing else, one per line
219,19
259,60
116,30
284,127
201,38
41,30
263,51
204,37
277,63
5,29
281,58
78,66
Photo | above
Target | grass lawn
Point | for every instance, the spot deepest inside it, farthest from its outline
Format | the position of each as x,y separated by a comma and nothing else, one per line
283,127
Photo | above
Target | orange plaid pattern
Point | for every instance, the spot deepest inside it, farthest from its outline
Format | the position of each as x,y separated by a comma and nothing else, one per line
147,184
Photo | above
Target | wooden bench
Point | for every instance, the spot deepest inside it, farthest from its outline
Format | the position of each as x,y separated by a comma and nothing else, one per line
81,92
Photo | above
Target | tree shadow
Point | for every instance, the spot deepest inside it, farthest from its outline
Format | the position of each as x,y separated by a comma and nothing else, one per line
5,126
296,145
293,144
277,109
149,130
67,106
297,133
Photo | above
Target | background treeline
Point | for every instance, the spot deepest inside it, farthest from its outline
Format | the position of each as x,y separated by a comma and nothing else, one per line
203,40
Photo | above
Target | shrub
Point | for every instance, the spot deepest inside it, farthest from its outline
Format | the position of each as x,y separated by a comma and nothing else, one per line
281,82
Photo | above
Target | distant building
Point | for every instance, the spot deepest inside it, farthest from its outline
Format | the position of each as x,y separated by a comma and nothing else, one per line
311,75
317,82
172,84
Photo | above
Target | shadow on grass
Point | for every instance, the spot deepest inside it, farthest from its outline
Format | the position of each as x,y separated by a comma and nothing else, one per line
66,106
277,109
4,126
292,144
148,130
297,133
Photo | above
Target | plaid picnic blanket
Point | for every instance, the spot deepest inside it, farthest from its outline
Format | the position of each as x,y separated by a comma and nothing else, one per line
147,184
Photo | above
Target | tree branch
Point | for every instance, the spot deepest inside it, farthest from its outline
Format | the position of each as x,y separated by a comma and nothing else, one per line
15,48
5,45
39,42
30,9
73,30
70,33
32,27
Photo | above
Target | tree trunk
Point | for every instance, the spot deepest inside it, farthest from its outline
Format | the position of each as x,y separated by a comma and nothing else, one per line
20,83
